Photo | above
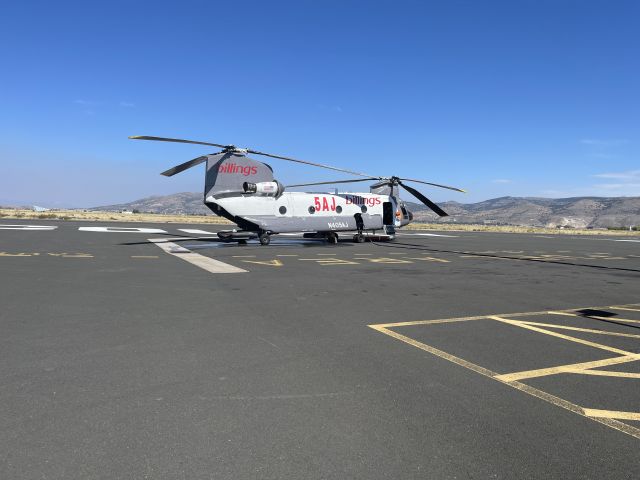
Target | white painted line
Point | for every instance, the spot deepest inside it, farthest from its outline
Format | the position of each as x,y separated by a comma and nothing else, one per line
206,263
33,228
426,235
121,230
636,241
196,231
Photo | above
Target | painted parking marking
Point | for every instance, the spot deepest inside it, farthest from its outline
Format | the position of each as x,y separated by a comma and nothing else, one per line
196,231
426,235
206,263
144,256
635,241
270,263
29,228
610,418
386,260
329,261
430,259
121,230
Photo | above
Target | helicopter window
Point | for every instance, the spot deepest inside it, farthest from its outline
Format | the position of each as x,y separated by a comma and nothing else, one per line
363,208
282,210
312,209
404,212
338,209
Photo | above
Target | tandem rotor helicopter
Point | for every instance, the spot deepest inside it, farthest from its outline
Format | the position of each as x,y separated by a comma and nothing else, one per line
244,191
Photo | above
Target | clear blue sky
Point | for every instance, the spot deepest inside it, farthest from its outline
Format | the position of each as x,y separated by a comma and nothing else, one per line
521,98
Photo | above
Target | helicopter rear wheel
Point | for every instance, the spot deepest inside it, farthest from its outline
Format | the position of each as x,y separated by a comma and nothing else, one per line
332,237
359,238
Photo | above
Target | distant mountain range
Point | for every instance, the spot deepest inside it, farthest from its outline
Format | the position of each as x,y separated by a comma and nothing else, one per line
577,212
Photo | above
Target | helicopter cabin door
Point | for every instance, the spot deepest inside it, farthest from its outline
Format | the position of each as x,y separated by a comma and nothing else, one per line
387,213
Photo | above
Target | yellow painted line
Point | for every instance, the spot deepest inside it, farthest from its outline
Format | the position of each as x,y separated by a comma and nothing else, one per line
429,259
592,412
544,372
429,322
547,397
577,329
483,317
386,260
270,263
5,254
329,261
560,335
605,373
626,308
596,317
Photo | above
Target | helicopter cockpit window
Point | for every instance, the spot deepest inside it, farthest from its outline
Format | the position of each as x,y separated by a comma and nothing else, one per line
405,214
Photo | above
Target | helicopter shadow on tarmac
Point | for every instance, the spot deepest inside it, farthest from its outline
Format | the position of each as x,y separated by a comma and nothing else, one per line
212,242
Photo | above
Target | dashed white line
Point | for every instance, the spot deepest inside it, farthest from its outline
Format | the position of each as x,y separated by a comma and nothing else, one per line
121,230
196,231
206,263
426,235
33,228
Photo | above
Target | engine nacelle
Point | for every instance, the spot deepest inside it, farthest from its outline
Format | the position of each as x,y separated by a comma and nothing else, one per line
264,189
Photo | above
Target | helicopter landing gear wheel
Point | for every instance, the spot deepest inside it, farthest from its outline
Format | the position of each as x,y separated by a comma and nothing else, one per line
265,238
359,238
332,237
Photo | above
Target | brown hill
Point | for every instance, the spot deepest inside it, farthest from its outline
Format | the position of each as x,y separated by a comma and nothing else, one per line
578,212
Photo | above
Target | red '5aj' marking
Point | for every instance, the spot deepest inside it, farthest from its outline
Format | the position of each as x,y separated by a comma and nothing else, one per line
322,204
231,167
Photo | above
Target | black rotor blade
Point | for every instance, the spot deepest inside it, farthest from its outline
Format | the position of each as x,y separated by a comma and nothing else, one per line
330,183
424,200
176,140
434,184
184,166
329,167
256,152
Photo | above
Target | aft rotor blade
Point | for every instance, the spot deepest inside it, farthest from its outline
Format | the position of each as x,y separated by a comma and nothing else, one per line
424,200
335,181
176,140
184,166
434,184
329,167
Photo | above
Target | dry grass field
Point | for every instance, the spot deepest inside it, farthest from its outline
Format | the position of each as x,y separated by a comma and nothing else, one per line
6,213
111,216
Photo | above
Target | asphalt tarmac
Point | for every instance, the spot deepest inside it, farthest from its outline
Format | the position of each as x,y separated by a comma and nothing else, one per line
164,353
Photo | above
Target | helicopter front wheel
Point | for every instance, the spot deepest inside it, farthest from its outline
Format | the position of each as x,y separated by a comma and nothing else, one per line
264,238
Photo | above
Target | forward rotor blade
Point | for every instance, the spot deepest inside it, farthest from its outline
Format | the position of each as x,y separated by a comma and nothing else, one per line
424,200
184,166
176,140
311,163
335,181
289,159
434,185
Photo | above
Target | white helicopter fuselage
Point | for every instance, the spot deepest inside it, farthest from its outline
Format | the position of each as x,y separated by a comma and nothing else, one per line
314,212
